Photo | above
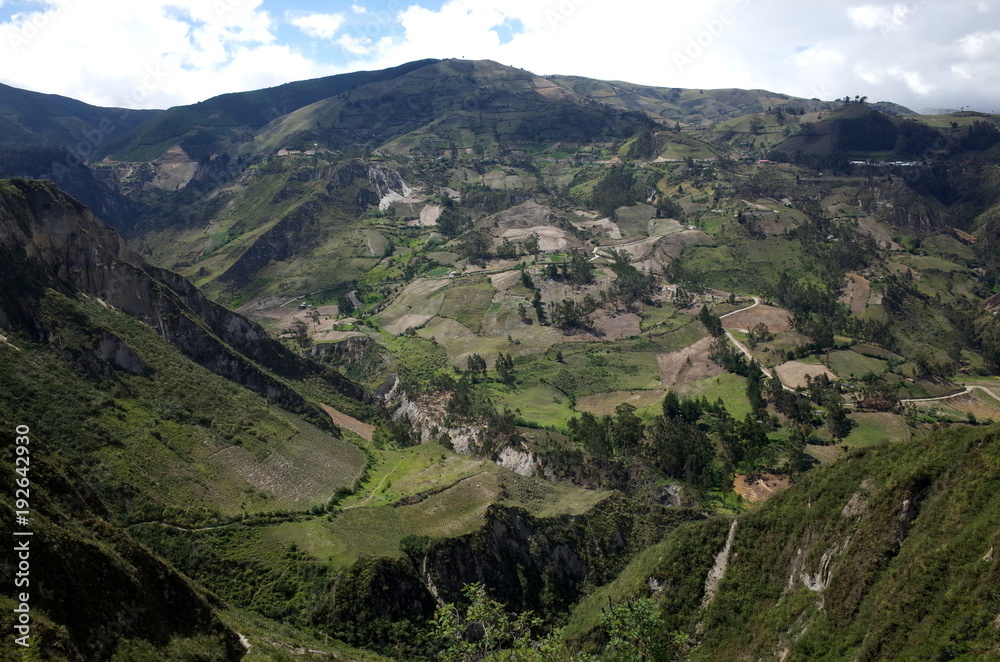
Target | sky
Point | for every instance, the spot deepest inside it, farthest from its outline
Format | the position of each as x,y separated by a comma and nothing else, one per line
924,54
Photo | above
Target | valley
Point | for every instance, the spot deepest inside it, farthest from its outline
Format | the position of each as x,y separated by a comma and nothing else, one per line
720,363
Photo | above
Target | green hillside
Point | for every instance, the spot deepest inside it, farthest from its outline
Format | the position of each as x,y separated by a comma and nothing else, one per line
685,374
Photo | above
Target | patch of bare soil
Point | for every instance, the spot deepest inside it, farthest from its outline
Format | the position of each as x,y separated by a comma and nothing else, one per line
405,322
690,364
641,249
856,293
550,238
603,226
776,319
671,246
615,326
968,403
429,215
879,233
793,374
174,169
363,430
759,487
503,281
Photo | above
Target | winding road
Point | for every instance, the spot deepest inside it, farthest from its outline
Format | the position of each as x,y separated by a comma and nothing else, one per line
969,388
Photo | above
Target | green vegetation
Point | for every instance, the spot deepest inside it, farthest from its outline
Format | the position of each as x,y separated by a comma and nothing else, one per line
532,285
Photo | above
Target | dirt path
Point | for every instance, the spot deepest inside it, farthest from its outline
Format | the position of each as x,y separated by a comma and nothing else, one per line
968,389
363,430
376,488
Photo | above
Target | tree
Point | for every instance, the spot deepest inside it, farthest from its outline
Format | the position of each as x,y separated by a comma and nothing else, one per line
344,305
505,368
536,303
626,429
712,322
531,244
636,633
476,245
506,249
300,333
476,364
485,630
592,432
314,316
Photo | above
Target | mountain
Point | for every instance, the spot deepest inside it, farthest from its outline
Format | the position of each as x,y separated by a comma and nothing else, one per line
33,118
169,413
203,128
687,374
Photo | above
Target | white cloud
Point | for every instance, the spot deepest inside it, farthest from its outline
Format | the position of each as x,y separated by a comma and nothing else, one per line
319,26
980,44
912,79
150,54
870,17
816,56
355,45
913,52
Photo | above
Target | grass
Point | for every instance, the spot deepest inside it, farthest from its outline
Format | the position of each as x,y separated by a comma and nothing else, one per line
601,404
876,428
846,364
271,641
467,303
184,443
729,387
541,404
427,491
926,263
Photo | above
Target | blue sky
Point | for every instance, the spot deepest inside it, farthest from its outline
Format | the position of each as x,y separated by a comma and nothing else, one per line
158,53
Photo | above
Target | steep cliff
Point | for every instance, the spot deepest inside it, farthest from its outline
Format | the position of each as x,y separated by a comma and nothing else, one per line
543,565
50,240
90,587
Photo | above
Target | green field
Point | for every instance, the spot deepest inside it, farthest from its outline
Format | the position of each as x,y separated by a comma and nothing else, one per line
729,387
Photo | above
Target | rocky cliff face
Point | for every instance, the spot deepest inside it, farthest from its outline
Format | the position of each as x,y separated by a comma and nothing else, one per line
528,563
50,240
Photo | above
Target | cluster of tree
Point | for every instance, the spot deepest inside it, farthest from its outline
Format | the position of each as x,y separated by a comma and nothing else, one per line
578,270
759,334
644,145
981,135
712,322
631,286
397,432
483,629
916,140
835,246
787,109
609,436
452,221
815,309
480,196
617,188
478,246
569,314
505,368
667,207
